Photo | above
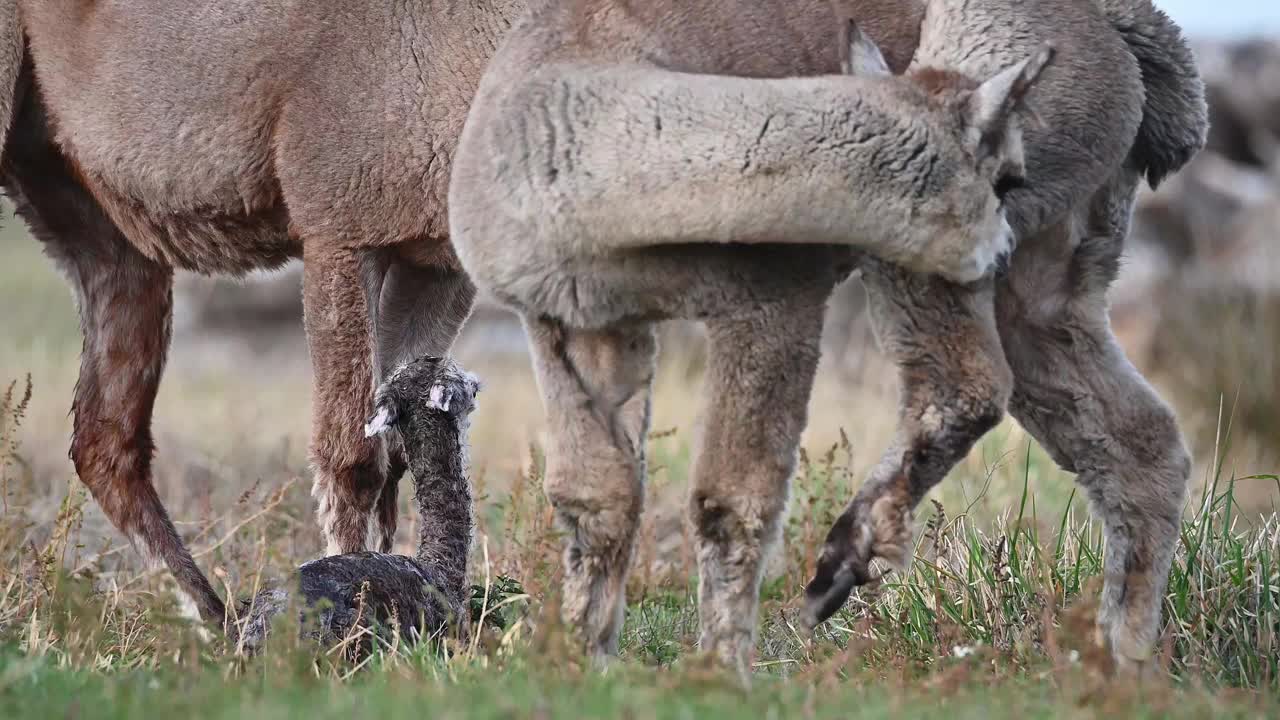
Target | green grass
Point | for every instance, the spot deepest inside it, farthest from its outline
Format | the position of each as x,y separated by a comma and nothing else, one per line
33,687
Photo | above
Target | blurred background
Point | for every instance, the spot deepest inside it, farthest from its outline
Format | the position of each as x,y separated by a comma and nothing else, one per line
1198,308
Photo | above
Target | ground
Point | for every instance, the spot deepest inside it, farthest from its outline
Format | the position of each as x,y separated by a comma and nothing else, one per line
991,621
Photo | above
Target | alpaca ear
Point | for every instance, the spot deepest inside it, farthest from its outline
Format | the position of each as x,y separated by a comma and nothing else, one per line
384,418
990,107
859,55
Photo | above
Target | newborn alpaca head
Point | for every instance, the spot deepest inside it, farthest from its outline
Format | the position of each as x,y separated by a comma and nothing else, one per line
429,402
416,389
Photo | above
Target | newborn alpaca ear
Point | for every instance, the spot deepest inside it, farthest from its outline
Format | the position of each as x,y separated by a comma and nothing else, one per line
859,55
384,418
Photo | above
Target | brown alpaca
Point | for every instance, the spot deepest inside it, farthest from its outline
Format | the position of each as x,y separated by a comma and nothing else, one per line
226,136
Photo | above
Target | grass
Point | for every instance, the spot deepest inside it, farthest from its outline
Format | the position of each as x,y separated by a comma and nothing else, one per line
992,619
990,614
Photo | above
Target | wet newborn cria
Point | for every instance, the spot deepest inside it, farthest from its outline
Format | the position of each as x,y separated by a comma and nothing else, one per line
428,401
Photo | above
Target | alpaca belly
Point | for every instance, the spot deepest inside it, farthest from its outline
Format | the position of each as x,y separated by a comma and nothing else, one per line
676,282
212,239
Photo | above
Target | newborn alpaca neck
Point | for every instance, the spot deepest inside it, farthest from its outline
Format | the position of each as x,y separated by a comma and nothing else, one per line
437,459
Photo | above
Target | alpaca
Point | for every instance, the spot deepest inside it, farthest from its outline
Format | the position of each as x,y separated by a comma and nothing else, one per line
1038,339
610,176
221,137
429,402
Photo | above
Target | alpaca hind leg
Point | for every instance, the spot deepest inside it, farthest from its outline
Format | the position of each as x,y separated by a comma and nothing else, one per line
595,387
125,303
417,311
954,384
1078,394
759,379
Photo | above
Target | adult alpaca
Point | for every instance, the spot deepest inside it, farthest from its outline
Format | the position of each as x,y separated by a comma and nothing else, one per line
623,164
220,137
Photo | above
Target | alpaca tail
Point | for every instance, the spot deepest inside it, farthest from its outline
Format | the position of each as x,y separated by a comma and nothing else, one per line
1175,117
12,46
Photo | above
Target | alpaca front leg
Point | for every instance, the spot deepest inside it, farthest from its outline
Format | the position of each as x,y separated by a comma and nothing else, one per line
955,384
595,387
760,375
349,468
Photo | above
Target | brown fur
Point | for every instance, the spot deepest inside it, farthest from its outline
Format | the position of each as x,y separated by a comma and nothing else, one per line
232,136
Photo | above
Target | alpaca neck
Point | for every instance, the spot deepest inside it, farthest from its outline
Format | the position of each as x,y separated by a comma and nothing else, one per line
661,157
437,459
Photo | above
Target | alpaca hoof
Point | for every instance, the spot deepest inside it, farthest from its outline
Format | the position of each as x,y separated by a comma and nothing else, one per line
844,564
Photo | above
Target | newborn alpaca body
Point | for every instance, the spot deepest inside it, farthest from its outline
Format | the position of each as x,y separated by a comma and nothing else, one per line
428,401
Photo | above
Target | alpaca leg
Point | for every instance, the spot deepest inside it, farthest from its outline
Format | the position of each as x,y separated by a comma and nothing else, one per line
125,302
349,468
595,386
1078,394
417,311
954,384
759,378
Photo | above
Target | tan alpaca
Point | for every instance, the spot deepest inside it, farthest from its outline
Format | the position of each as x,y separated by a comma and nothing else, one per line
602,172
224,136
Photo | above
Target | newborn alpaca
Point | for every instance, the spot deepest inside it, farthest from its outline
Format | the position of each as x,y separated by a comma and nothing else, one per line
429,401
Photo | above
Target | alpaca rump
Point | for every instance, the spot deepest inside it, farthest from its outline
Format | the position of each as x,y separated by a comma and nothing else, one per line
428,403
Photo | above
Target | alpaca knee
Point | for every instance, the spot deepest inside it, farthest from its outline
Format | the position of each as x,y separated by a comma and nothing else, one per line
735,534
600,517
346,490
739,529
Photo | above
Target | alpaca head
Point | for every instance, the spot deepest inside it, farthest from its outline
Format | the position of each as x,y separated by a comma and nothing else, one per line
428,386
971,140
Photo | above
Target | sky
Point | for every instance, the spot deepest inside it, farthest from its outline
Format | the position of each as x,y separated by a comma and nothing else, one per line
1224,17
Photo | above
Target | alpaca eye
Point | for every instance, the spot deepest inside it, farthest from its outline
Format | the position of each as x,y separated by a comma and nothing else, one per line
1007,184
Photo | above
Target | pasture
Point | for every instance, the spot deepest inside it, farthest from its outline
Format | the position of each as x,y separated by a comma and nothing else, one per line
992,620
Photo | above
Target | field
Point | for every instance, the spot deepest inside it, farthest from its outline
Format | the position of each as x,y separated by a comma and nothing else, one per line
992,620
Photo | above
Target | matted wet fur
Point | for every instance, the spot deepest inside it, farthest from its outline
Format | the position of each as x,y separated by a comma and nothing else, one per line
604,183
428,403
